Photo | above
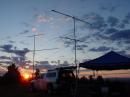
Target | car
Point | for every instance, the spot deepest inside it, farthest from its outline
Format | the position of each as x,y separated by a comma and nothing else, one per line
56,80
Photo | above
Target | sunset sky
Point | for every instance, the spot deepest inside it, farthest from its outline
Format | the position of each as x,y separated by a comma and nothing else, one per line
110,29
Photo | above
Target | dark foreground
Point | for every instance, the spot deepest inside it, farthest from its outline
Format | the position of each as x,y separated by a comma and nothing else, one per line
85,89
23,91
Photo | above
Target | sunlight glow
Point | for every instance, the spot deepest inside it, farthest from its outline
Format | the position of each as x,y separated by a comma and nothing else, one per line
26,76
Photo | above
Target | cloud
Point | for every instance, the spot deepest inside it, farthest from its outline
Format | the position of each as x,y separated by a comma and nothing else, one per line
100,23
127,18
26,24
20,54
119,38
80,47
122,25
19,60
112,21
108,8
124,53
6,62
68,43
110,31
23,42
6,48
8,37
97,22
100,49
34,29
64,19
43,18
24,32
128,48
122,35
98,37
11,41
84,38
125,21
4,57
11,49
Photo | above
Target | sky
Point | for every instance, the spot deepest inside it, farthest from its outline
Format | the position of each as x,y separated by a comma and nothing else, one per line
19,19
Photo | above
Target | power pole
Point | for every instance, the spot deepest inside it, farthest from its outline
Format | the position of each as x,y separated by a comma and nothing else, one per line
75,43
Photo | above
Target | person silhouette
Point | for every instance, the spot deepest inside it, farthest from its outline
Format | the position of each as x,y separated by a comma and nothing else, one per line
37,73
12,75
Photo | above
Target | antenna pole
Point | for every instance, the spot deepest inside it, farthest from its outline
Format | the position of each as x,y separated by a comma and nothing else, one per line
75,42
34,49
34,52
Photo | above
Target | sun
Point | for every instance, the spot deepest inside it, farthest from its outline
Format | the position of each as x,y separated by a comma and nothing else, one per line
26,76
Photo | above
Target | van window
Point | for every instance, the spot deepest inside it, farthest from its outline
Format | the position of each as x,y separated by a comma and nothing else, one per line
51,74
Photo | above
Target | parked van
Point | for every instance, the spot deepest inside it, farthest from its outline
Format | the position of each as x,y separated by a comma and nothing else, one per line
56,80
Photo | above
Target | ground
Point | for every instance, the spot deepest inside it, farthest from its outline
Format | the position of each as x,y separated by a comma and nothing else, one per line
22,90
84,90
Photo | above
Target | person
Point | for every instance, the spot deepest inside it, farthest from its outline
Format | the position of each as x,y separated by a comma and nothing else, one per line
12,75
100,80
37,73
91,79
83,79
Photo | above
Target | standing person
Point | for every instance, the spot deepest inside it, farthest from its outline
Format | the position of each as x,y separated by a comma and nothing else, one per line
37,73
12,75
